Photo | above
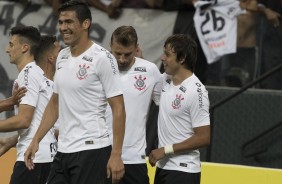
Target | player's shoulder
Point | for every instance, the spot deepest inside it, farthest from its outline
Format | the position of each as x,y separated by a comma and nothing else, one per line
64,55
32,69
194,85
145,65
99,53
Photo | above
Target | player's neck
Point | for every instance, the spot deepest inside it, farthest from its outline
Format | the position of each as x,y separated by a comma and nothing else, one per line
48,69
80,47
24,61
180,76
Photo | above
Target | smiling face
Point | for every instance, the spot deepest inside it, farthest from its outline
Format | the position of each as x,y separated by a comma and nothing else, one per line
125,55
15,49
70,27
170,62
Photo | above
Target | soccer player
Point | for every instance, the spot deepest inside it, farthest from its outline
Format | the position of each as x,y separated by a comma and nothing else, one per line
87,77
23,44
183,122
140,83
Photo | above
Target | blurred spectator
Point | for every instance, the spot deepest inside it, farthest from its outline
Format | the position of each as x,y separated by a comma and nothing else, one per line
55,4
169,5
113,8
271,43
244,66
240,68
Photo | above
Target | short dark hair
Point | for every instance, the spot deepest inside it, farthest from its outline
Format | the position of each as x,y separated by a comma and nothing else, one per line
82,10
185,48
125,35
47,42
28,34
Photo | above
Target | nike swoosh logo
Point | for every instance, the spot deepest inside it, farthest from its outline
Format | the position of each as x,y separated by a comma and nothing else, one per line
59,68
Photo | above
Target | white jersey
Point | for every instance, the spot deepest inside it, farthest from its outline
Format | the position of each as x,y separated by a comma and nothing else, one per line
83,84
140,84
216,27
39,91
182,108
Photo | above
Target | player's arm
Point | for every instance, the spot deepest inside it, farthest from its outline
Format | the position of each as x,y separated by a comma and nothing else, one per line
7,104
115,164
7,143
49,118
201,138
20,121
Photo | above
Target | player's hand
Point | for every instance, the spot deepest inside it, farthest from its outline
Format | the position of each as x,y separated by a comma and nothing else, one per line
115,168
272,16
113,11
156,155
29,155
17,94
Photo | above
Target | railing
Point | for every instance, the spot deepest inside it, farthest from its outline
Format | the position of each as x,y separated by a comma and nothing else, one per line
228,98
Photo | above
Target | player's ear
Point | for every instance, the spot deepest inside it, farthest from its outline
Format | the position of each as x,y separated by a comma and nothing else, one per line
25,48
86,23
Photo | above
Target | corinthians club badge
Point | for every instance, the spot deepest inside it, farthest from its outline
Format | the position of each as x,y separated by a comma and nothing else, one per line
82,72
140,82
176,104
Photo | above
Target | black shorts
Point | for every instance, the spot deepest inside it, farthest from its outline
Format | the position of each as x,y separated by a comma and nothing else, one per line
172,177
22,175
87,167
135,174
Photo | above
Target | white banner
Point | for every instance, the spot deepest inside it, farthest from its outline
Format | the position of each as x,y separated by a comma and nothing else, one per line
152,26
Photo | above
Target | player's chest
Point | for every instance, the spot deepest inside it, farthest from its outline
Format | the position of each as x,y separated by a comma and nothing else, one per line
76,72
137,82
174,97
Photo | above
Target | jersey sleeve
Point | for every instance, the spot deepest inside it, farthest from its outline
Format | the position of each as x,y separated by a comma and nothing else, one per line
109,75
199,108
158,85
31,79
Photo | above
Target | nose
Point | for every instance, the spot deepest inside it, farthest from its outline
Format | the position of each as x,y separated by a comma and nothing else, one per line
62,26
162,58
122,59
7,49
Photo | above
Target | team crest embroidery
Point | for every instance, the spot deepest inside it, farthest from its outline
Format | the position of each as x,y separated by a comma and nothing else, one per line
82,72
140,82
176,104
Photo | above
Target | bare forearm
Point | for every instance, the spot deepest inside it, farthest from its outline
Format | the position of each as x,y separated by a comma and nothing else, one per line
197,141
118,113
7,143
118,132
190,144
6,105
49,118
97,4
12,141
13,124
